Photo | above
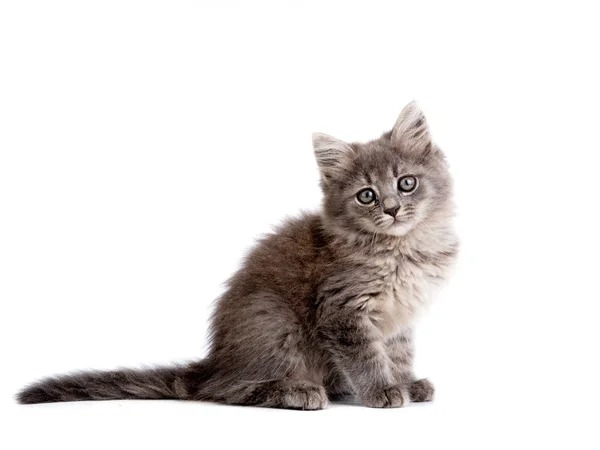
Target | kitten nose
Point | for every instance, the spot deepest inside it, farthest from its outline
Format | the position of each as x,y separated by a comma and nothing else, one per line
392,211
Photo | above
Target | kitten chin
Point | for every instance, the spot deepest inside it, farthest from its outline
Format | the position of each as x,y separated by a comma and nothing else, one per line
325,305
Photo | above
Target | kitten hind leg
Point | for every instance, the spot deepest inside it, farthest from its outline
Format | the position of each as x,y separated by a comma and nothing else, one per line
286,393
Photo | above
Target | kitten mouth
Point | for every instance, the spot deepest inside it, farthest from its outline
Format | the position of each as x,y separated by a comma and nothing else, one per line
396,222
399,221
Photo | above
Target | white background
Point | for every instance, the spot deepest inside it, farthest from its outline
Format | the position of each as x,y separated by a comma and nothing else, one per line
144,145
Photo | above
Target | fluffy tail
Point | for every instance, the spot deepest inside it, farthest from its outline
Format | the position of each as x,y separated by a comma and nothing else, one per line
158,383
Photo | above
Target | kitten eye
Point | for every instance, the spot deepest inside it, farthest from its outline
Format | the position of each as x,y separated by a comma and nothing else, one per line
366,196
407,184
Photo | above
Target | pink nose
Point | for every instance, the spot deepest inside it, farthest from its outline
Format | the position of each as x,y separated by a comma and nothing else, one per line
392,211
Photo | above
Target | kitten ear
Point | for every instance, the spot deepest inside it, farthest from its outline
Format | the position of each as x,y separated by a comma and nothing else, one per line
331,154
411,132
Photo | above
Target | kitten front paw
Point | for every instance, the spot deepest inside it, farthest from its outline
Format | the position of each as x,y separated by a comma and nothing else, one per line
392,397
421,391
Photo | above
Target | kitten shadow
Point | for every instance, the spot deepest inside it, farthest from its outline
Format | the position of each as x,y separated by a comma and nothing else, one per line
346,400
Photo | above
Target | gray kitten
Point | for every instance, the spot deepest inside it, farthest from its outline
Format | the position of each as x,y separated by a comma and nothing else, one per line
325,305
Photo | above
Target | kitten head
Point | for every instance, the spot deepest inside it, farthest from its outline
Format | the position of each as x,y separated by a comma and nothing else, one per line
386,186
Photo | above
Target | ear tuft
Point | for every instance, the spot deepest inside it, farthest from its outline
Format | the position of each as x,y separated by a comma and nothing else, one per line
331,154
411,132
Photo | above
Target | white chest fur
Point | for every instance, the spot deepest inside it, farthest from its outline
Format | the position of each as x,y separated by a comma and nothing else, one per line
406,285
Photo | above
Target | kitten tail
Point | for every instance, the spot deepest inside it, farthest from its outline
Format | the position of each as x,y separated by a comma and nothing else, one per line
178,382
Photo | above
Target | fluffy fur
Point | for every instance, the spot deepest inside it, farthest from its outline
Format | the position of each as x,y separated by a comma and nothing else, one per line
325,305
